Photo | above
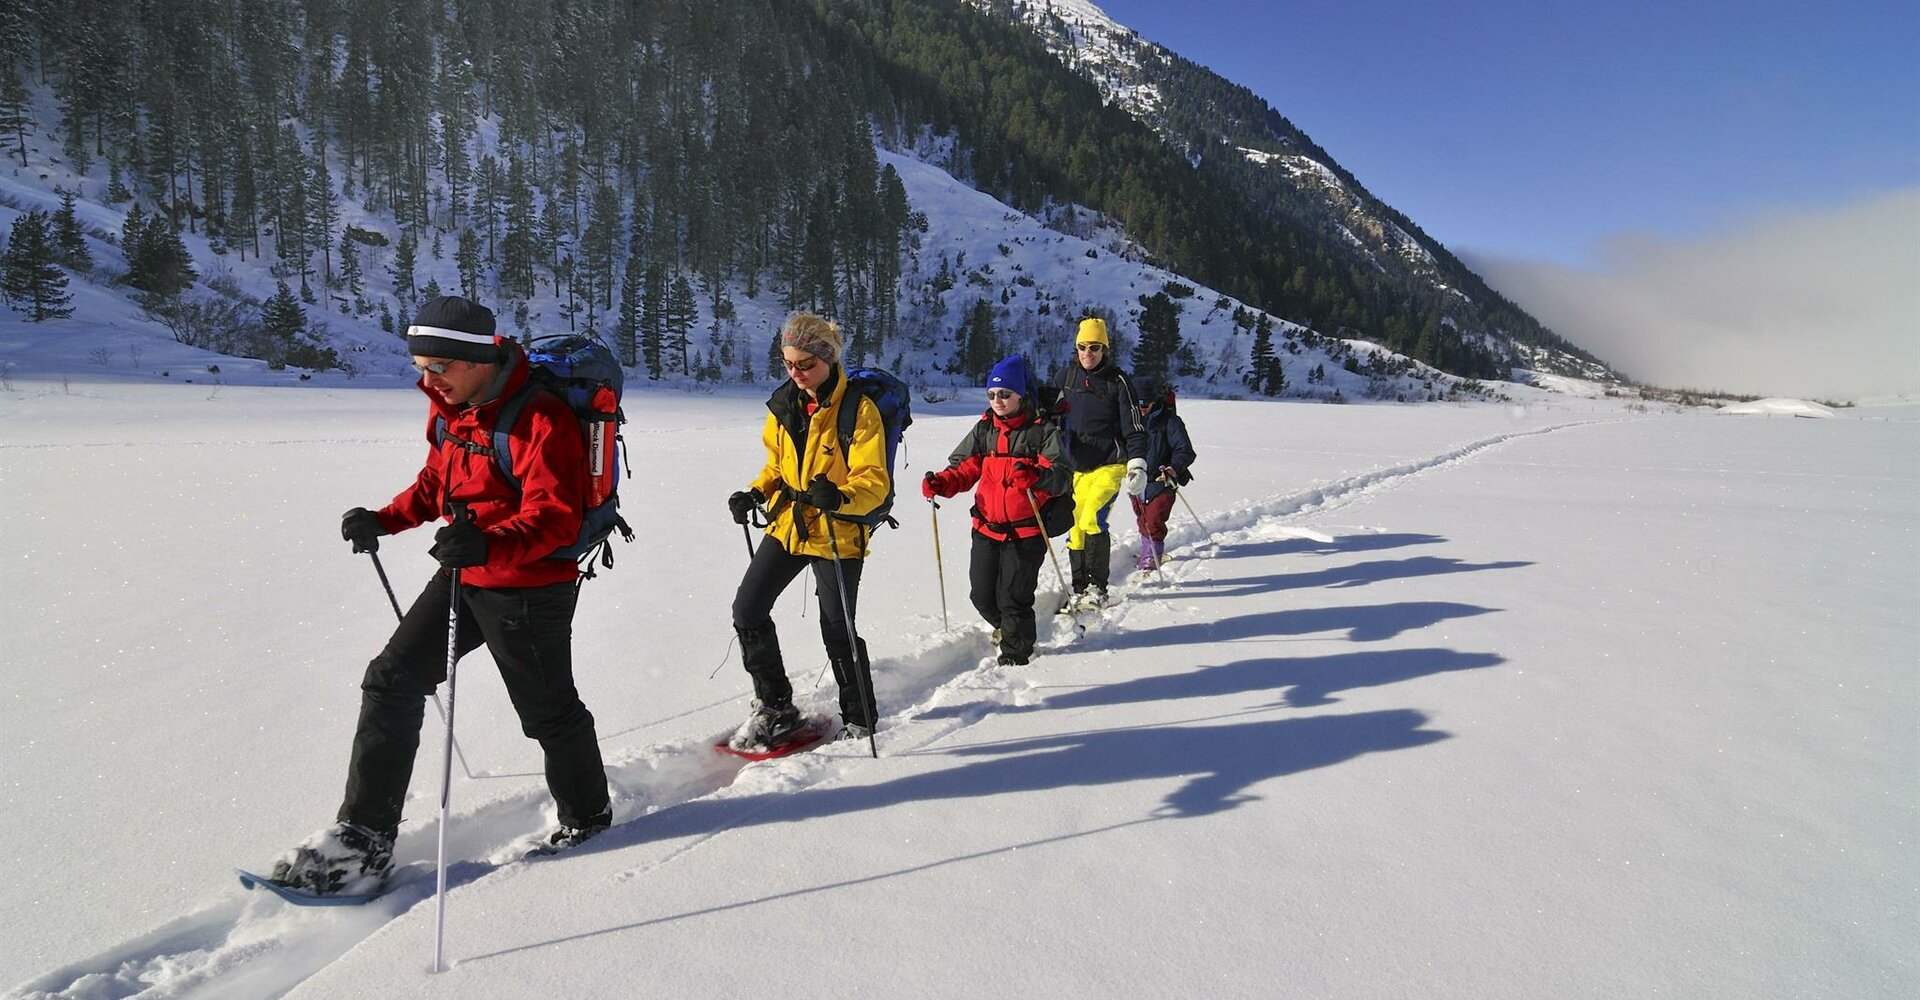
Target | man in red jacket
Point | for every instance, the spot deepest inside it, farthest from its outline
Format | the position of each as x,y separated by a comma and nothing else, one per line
513,597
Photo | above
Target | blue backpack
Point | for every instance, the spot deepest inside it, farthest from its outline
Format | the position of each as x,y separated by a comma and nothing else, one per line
894,399
583,372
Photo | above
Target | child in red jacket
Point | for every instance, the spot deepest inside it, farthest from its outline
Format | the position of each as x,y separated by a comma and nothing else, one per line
1013,460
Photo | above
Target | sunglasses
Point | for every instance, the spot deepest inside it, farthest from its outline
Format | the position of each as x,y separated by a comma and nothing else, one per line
801,366
1090,348
1002,394
437,367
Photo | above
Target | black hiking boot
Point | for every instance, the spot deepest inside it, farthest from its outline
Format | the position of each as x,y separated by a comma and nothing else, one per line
767,726
345,859
564,836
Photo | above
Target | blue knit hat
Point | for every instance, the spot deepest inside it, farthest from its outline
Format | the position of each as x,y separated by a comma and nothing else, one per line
1011,373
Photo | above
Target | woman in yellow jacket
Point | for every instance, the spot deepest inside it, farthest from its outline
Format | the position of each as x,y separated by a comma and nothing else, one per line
807,488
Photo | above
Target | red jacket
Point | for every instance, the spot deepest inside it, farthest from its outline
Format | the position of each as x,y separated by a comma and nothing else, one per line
1007,458
523,526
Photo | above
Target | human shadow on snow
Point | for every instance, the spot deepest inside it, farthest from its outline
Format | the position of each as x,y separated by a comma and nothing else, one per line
1360,623
1332,577
1306,682
1342,543
1217,767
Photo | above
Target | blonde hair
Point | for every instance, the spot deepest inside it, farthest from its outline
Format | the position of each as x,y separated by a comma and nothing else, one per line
816,335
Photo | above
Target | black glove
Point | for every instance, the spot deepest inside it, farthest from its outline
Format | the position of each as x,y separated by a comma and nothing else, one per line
822,494
741,505
363,529
460,545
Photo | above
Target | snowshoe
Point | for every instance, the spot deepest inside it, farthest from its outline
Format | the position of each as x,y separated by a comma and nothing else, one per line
768,726
345,859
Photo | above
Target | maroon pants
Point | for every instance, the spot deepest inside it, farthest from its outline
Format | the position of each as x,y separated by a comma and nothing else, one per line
1152,515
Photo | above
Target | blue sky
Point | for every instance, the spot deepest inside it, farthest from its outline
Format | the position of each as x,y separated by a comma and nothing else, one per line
1539,131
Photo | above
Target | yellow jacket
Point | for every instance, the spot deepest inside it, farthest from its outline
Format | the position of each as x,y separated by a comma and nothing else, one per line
800,447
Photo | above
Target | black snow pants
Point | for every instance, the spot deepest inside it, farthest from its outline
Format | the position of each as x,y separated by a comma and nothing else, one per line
529,631
772,569
1003,577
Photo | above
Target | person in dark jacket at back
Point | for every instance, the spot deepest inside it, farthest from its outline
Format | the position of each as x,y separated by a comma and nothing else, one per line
1169,462
1106,446
515,597
1013,460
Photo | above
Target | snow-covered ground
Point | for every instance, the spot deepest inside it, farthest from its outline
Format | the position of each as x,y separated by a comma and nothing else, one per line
1551,699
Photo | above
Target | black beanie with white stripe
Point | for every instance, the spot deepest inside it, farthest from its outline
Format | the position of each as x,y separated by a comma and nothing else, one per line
452,327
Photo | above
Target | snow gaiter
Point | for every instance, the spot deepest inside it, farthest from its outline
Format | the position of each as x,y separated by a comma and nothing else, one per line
760,654
1099,557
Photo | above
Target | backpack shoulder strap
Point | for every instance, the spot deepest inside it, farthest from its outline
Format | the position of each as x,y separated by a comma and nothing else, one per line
849,414
510,411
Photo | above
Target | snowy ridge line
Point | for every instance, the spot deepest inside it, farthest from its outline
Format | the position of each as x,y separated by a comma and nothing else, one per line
249,945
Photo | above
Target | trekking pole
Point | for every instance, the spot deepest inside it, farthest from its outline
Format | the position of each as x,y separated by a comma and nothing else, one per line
1182,494
442,709
858,669
460,513
1043,535
939,566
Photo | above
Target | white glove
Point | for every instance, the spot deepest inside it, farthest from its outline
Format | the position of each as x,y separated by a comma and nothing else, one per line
1137,476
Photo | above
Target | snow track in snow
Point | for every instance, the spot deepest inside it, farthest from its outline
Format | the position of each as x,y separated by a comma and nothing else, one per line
251,945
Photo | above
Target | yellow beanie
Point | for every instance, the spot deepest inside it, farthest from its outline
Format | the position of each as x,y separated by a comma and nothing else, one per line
1093,330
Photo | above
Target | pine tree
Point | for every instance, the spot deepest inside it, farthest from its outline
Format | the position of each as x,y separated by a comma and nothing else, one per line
282,320
404,253
467,260
69,237
517,245
130,229
1267,375
599,243
981,346
30,276
15,116
680,315
158,262
1159,336
653,318
349,263
322,214
626,328
549,238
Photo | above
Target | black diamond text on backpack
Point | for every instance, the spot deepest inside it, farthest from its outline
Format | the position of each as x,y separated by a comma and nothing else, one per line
583,372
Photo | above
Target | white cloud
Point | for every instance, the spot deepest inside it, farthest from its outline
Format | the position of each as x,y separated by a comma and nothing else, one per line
1812,304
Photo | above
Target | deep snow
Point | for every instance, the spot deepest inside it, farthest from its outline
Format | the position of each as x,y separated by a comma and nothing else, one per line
1549,699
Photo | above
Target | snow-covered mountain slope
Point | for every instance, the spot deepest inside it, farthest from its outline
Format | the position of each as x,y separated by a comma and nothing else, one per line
1039,276
1150,82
